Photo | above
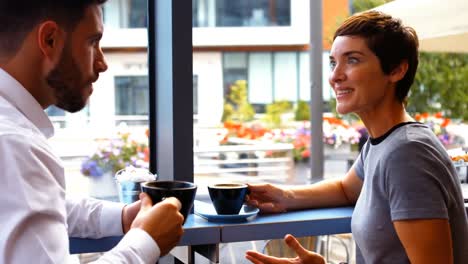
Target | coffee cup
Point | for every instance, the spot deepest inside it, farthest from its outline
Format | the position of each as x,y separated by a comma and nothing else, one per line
228,198
183,191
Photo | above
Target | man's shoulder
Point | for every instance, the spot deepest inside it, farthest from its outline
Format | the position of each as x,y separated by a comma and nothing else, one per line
11,127
12,121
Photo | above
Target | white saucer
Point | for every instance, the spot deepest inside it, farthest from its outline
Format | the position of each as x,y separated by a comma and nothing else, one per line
208,212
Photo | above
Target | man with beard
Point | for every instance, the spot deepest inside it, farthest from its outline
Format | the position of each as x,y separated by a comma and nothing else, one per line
50,55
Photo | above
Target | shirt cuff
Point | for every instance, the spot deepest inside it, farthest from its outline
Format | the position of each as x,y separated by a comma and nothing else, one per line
111,218
145,246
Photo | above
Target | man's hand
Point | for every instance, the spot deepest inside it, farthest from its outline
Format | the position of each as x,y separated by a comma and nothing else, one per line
303,256
129,213
162,221
268,198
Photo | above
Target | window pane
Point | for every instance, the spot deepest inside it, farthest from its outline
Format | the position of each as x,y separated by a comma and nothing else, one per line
125,14
285,76
304,76
260,78
241,13
131,95
234,69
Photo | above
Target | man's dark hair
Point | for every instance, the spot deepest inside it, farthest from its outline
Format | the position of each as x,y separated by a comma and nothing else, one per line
19,17
389,40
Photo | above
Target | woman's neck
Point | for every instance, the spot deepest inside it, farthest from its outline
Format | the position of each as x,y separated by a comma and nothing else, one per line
379,122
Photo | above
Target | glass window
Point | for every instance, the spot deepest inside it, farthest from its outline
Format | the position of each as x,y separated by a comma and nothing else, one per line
57,116
234,69
260,78
131,95
241,13
125,14
304,76
285,71
54,111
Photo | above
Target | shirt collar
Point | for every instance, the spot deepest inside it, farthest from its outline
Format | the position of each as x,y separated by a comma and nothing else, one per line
21,99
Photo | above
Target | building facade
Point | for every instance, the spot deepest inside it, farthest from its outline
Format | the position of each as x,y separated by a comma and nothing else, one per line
263,42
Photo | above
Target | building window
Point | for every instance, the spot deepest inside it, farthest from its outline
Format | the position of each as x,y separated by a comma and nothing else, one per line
241,13
234,68
260,80
125,14
54,111
285,76
273,76
131,95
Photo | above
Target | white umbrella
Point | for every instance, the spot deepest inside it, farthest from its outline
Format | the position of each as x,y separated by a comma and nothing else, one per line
441,25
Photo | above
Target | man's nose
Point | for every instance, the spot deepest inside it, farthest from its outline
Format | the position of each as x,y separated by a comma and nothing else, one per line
100,63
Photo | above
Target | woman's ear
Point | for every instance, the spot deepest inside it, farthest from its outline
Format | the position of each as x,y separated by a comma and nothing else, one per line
50,40
399,72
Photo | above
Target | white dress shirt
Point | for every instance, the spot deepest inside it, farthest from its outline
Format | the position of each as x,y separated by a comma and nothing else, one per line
36,218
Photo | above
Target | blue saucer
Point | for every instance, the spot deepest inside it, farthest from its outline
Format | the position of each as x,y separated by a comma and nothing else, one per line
208,212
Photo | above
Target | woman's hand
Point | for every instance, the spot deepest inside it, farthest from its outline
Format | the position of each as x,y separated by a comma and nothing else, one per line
303,256
268,198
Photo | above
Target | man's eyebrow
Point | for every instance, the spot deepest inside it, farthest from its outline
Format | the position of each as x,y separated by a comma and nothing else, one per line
96,36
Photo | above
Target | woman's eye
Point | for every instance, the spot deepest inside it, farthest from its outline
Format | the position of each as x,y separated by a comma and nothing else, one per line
332,65
353,60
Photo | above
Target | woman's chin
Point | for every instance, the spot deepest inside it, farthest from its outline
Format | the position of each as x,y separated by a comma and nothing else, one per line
342,109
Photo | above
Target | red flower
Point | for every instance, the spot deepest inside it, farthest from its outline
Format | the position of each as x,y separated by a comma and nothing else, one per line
445,122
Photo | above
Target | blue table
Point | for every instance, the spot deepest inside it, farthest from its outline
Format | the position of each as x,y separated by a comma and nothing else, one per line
203,236
312,222
197,231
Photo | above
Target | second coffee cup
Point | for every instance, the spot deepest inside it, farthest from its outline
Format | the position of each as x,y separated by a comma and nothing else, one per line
228,198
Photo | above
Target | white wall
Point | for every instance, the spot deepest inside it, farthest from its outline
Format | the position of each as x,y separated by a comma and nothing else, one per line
102,101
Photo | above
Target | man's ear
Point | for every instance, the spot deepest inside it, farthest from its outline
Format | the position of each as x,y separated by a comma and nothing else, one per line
399,72
50,40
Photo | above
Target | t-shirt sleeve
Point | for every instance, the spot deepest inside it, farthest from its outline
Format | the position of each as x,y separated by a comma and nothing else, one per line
413,183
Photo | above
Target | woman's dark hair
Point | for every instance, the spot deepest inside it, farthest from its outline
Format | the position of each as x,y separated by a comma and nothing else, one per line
19,17
389,40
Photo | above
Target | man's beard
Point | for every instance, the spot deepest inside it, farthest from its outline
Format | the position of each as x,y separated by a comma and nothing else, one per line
67,83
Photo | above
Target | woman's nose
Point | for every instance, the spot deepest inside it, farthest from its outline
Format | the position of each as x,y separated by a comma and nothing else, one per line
337,74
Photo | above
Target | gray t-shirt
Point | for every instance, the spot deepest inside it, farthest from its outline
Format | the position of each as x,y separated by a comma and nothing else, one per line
407,174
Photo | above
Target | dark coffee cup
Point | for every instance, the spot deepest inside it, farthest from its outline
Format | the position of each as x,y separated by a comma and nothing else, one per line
184,191
227,198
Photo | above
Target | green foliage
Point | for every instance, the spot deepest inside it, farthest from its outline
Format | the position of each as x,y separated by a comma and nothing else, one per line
363,5
441,85
237,107
302,112
228,111
275,110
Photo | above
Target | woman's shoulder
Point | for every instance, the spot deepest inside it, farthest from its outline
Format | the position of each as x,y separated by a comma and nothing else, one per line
410,142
